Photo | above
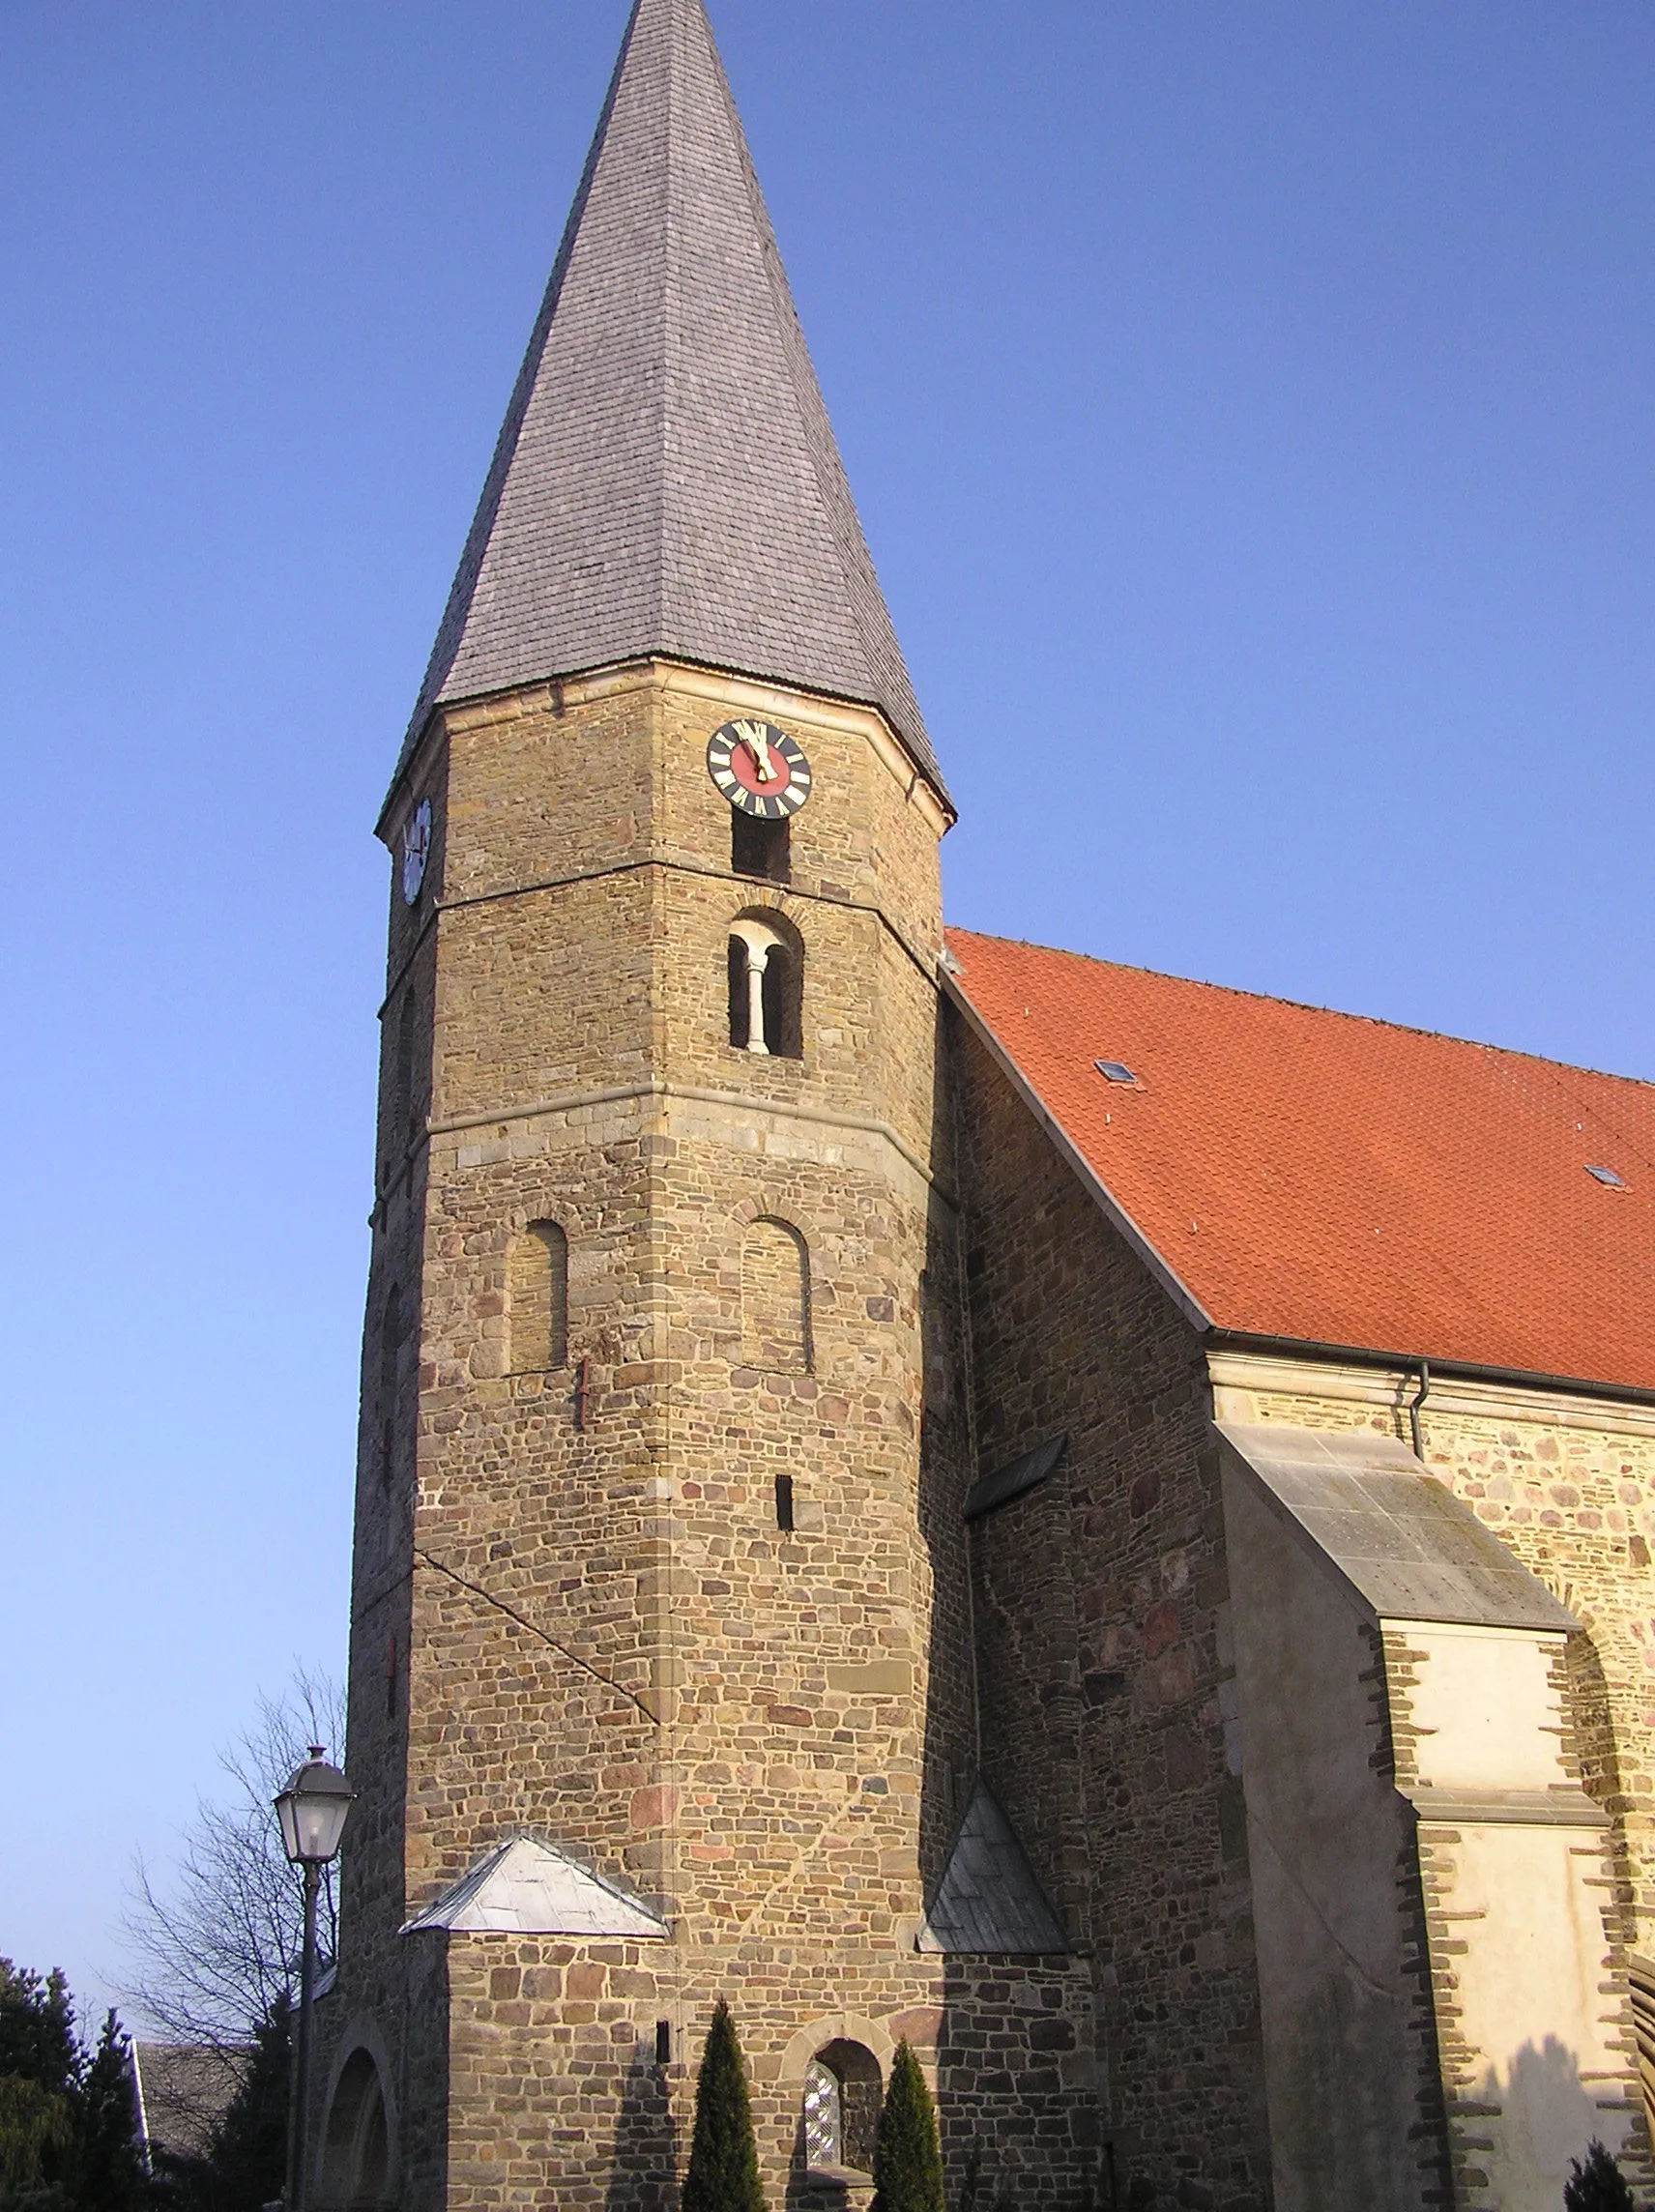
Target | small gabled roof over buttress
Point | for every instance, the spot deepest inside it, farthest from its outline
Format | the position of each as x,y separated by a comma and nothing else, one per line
989,1902
666,479
528,1887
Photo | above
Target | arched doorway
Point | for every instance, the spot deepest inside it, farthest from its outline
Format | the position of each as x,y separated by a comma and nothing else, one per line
356,2151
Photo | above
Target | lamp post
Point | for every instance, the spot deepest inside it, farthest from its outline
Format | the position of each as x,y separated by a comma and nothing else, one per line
312,1811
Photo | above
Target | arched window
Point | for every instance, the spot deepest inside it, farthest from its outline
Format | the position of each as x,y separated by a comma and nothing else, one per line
842,2098
766,986
538,1299
356,2151
775,1298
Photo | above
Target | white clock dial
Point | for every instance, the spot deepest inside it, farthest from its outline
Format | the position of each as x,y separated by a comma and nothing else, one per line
416,850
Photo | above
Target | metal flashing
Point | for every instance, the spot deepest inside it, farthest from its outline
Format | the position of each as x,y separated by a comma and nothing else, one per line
1400,1539
526,1887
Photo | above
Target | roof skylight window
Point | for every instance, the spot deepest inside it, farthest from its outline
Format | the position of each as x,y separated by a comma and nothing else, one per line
1115,1070
1606,1176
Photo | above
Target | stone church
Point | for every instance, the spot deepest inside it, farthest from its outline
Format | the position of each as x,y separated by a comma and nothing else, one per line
928,1487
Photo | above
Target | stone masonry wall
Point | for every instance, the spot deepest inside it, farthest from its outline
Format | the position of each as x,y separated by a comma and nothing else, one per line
611,1642
1105,1680
559,2098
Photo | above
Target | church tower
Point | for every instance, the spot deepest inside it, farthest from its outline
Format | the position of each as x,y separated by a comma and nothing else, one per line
662,1686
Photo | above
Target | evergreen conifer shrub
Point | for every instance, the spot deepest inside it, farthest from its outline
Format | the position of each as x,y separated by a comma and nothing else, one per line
110,2168
723,2157
1597,2186
68,2116
908,2158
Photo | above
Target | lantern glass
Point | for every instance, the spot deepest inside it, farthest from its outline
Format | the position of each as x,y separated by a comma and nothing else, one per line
312,1811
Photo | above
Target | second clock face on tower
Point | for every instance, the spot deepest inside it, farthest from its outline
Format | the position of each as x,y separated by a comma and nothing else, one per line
759,769
416,850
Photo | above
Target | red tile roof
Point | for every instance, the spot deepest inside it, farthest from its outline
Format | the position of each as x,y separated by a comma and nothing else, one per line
1336,1181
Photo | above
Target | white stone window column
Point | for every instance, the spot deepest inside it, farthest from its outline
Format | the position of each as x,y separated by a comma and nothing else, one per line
760,942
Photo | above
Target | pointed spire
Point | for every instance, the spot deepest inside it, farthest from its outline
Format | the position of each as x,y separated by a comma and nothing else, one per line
666,479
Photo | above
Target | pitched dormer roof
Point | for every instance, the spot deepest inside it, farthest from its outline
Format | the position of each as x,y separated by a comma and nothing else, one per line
666,479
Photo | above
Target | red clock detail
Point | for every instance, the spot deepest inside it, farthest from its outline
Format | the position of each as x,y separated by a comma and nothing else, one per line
759,769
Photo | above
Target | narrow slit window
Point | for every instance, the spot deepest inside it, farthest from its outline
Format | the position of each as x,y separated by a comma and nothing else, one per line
784,1504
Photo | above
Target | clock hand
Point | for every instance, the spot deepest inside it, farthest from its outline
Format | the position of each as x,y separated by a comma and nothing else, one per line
759,745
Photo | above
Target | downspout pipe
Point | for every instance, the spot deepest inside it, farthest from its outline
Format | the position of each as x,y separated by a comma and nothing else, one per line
1416,1403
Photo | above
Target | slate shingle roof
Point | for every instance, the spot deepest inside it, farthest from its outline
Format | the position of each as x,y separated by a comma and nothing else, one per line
666,479
1319,1176
182,2090
989,1902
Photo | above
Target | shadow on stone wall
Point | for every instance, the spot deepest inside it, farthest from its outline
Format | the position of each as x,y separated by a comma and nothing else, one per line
644,2156
1548,2116
1018,2133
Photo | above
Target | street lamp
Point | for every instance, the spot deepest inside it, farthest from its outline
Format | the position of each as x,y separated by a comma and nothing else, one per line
312,1811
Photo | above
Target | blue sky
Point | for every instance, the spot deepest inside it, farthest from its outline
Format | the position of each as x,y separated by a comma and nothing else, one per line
1250,413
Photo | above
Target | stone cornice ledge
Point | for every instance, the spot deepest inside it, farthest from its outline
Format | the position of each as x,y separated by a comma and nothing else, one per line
613,1094
1394,1387
1507,1809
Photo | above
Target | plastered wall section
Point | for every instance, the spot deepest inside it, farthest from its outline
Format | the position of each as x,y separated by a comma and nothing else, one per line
1533,2020
1344,1988
1529,2010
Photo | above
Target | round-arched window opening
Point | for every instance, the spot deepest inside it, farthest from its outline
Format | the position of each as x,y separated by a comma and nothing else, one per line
766,986
842,2097
355,2153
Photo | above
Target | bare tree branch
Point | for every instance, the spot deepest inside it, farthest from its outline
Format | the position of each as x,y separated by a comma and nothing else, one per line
213,1938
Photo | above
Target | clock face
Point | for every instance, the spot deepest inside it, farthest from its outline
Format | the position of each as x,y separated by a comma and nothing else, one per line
759,769
416,850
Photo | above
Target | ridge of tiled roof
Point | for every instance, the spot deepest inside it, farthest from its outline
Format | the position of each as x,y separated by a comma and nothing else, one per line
1302,1006
666,479
1332,1179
